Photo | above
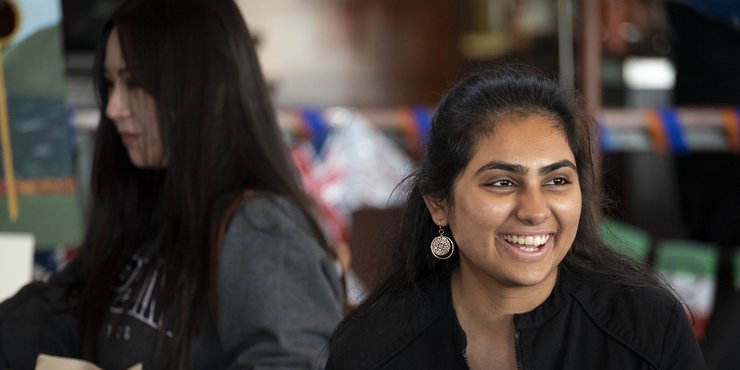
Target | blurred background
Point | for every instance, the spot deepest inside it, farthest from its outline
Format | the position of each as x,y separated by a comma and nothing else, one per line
355,83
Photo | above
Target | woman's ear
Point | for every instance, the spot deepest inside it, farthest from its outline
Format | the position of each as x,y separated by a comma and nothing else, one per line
438,209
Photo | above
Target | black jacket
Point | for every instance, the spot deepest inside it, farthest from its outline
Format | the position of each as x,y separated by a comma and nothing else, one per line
582,325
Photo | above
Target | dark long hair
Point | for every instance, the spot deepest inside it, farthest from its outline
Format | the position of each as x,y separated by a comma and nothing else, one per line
467,113
220,137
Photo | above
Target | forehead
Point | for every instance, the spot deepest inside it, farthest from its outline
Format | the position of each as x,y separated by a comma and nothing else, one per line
532,141
113,55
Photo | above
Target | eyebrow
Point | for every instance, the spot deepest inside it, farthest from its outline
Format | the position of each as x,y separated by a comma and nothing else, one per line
521,170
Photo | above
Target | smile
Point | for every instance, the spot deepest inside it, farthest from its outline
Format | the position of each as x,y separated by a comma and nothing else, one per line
527,243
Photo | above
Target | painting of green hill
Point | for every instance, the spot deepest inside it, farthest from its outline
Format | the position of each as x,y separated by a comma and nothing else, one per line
34,66
41,139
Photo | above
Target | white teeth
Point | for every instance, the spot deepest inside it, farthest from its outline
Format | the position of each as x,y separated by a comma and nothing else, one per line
535,241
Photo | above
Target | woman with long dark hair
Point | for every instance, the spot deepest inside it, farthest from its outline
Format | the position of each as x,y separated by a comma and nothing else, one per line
201,251
497,262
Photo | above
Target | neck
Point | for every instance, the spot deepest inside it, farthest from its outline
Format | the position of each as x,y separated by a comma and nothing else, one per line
482,301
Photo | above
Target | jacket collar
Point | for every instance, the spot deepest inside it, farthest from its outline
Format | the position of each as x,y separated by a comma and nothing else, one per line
441,298
547,309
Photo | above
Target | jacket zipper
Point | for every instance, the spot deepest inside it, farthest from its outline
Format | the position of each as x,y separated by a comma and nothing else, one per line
517,354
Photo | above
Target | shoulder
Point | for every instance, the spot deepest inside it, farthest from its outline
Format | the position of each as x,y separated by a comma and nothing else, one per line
375,334
280,294
269,212
623,299
269,242
269,232
267,223
639,317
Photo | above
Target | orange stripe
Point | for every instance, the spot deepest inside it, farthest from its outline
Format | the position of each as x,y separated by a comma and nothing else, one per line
46,186
732,127
655,130
298,124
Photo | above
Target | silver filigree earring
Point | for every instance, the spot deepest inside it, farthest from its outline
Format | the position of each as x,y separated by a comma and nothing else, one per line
442,247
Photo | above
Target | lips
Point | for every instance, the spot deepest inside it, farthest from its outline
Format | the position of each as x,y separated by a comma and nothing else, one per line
128,138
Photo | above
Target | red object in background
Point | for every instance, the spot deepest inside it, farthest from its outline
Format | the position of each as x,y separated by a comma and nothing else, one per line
334,223
613,14
699,324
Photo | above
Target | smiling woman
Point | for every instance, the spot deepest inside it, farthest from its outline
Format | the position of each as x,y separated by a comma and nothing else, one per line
508,176
520,186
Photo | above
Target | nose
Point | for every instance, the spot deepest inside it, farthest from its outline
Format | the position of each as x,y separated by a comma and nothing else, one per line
532,207
117,107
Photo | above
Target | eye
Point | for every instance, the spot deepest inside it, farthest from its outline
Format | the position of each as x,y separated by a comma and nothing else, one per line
558,181
501,184
131,81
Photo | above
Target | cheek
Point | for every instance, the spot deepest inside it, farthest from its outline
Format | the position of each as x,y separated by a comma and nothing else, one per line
476,214
146,114
577,206
142,104
568,209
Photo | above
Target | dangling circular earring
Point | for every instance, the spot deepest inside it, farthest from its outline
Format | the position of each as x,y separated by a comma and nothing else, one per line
442,247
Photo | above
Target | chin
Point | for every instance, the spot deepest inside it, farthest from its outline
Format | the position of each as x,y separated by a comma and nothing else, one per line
533,278
143,164
138,164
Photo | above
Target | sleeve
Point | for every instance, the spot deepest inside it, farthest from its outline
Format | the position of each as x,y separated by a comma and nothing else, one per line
280,295
39,318
680,346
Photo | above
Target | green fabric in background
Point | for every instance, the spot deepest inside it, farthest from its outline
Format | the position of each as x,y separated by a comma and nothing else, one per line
687,257
626,238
